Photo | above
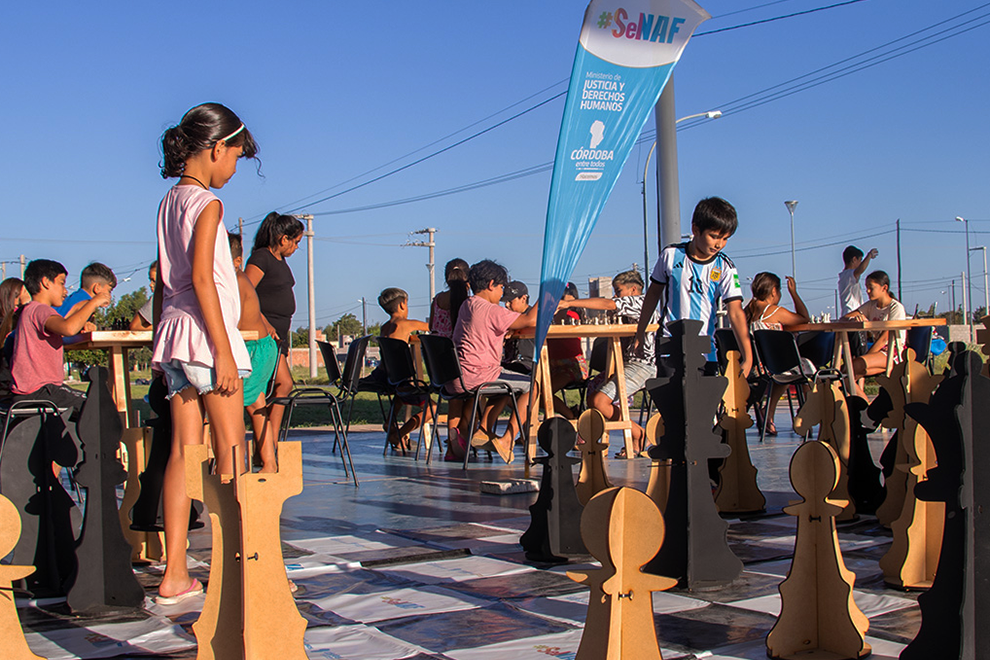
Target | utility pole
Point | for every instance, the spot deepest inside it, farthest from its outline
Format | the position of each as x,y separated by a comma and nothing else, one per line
431,266
965,302
900,294
3,270
22,266
364,316
312,292
953,310
668,192
240,229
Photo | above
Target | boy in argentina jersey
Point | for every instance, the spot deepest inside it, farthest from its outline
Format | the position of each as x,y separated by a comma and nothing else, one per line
689,278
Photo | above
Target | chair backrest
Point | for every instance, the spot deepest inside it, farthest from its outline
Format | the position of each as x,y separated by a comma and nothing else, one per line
920,339
598,360
778,351
330,361
440,357
352,364
819,348
725,341
397,358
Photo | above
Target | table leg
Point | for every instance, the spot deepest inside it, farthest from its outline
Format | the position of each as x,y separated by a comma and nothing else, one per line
847,358
615,359
541,378
892,349
118,377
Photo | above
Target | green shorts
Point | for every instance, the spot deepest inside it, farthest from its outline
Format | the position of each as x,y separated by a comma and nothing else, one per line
264,354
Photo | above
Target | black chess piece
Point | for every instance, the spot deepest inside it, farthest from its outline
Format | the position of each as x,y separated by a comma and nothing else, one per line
954,610
695,550
104,579
49,517
865,486
555,524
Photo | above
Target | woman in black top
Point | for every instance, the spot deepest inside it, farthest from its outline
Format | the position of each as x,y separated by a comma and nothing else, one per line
277,238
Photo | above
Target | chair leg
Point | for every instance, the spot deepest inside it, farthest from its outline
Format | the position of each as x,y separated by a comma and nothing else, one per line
766,411
345,447
474,419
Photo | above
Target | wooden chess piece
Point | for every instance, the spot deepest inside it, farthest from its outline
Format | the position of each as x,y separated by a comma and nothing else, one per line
865,483
983,338
593,478
818,617
658,487
14,645
911,561
896,394
48,516
623,529
218,630
826,407
737,489
104,579
695,548
272,624
145,546
954,610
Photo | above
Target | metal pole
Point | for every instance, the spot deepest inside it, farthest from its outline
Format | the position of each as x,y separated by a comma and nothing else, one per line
431,266
364,316
965,300
312,295
22,266
646,219
986,289
900,294
668,195
3,270
790,208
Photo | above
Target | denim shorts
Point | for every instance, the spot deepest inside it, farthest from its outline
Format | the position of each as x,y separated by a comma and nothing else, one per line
637,373
179,375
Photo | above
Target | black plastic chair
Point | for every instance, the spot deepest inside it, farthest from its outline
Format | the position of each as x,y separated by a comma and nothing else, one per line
24,408
819,347
309,396
351,382
759,381
397,359
780,357
443,368
920,340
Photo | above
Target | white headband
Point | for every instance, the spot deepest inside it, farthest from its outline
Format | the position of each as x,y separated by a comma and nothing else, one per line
232,134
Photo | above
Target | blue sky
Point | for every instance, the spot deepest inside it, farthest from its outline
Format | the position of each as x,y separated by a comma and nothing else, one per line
333,90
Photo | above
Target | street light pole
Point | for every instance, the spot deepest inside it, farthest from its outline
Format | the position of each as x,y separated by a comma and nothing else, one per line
969,279
986,291
312,295
711,114
790,207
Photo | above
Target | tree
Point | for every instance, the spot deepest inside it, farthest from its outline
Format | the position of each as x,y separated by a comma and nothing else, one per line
345,325
117,315
300,338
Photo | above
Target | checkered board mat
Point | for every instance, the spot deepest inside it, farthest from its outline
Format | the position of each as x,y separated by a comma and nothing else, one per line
465,592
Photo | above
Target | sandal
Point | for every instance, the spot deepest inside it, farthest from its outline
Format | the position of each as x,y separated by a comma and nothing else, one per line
771,429
621,453
195,589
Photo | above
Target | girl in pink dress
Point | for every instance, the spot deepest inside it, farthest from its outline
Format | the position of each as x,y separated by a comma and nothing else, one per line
197,345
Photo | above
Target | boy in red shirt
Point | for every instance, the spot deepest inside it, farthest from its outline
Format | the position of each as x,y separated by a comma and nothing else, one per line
36,365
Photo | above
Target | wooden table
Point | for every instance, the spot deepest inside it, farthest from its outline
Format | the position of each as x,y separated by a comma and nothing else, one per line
614,367
843,352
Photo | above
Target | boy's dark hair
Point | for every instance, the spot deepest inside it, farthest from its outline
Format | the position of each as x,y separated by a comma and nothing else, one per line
390,298
236,246
880,277
274,227
40,269
97,272
715,214
850,253
628,277
153,266
455,274
201,128
485,272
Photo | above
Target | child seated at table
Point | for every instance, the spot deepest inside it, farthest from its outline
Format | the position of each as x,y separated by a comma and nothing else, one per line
764,312
399,326
628,304
263,352
36,363
881,306
518,354
143,317
478,337
566,355
95,278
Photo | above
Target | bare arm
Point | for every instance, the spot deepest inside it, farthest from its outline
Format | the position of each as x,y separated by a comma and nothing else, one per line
158,297
525,320
137,323
861,268
74,322
254,274
737,319
588,303
204,242
650,301
787,317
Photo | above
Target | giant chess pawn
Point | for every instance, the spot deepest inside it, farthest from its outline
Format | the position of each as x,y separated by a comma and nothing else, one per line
817,611
593,478
623,529
14,645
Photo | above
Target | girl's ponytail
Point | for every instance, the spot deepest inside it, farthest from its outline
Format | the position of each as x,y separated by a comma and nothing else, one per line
201,128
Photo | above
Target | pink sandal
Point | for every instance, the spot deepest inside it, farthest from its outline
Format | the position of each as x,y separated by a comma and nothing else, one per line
195,589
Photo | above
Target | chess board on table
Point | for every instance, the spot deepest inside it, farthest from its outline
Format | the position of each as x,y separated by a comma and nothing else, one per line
465,592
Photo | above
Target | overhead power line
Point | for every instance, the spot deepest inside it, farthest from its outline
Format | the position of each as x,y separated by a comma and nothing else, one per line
777,18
